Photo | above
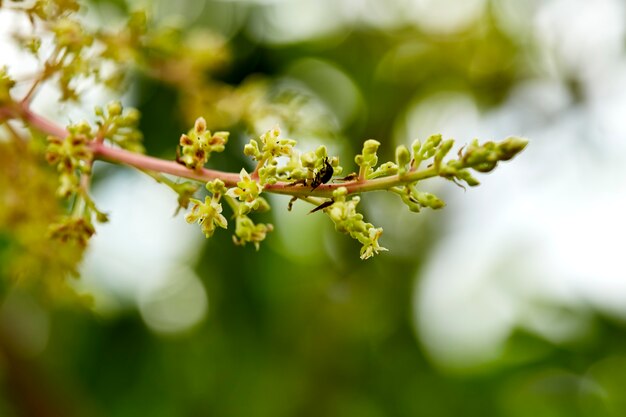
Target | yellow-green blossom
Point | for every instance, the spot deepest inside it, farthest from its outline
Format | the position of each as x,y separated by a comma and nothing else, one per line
208,214
247,191
343,213
248,232
198,144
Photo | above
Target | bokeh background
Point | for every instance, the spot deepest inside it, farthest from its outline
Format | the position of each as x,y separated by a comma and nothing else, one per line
509,302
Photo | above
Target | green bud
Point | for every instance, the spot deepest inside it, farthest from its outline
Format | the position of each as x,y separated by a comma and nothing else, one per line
410,201
403,157
386,169
442,151
368,159
216,187
429,148
510,147
252,149
308,159
429,200
114,108
340,194
416,146
102,217
321,152
465,175
132,116
81,128
370,147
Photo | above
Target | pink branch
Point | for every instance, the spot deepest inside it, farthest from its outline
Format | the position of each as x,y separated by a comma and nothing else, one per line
150,163
42,124
133,159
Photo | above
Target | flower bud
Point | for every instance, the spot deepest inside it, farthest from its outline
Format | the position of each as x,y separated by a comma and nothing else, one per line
114,108
429,200
321,152
252,149
510,147
403,157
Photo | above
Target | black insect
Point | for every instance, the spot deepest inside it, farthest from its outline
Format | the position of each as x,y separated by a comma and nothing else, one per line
290,205
349,177
323,175
322,206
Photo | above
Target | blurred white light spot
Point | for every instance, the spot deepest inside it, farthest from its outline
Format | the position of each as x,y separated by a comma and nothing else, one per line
452,114
331,84
515,17
22,66
176,305
136,250
460,319
580,36
295,21
445,16
13,22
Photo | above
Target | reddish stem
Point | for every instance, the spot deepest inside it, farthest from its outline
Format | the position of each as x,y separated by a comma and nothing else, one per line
144,162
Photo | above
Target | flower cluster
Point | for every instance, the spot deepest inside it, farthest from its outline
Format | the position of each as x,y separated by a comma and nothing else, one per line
208,214
182,59
367,159
76,229
485,157
247,192
72,157
281,168
301,168
343,213
119,126
198,144
416,200
246,231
